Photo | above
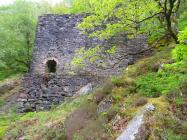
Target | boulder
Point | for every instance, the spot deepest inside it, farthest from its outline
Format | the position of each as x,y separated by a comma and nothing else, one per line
104,105
85,90
136,129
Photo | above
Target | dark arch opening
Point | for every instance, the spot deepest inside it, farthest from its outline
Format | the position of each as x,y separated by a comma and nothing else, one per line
51,66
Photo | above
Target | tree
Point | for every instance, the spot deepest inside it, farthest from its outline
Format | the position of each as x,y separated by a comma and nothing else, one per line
17,32
127,18
112,17
169,10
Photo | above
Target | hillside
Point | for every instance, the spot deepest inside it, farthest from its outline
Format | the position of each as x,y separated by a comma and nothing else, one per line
104,113
93,70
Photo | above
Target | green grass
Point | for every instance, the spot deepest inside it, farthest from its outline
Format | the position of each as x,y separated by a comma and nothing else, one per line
1,102
172,136
5,121
7,74
39,122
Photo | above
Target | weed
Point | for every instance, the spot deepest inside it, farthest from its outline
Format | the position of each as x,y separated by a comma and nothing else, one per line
117,81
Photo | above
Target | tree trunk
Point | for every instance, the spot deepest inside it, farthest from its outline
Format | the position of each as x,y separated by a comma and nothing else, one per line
169,27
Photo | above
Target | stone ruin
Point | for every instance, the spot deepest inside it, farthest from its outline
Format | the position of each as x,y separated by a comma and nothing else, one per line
51,80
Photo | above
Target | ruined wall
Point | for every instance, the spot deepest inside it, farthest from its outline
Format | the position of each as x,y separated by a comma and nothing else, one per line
57,39
40,91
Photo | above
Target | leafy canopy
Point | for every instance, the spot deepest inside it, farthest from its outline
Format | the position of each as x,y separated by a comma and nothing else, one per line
111,17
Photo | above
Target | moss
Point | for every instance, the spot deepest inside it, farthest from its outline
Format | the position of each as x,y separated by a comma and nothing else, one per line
161,103
118,93
162,120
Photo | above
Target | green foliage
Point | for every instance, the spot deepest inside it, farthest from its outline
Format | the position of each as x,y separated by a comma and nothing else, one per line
155,84
116,17
171,77
183,15
5,122
117,81
179,101
180,52
183,36
81,6
94,56
112,50
82,55
172,136
17,32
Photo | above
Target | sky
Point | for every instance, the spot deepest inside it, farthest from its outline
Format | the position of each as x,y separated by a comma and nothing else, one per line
5,2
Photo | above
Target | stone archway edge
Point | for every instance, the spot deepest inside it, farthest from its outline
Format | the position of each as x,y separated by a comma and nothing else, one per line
51,58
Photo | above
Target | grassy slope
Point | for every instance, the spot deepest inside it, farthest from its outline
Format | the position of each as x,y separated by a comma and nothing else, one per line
128,93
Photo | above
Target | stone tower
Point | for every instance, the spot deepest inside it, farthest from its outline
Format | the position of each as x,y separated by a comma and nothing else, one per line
49,80
57,38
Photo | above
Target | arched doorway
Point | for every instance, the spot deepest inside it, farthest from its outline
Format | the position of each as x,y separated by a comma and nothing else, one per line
51,66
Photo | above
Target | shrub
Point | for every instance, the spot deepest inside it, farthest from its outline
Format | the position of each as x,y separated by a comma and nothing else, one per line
101,93
155,84
128,81
94,130
172,136
117,81
86,124
183,88
1,102
118,93
79,119
182,36
107,87
55,133
179,101
180,52
98,96
150,64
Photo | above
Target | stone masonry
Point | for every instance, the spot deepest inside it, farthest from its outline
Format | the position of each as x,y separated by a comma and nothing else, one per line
50,79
